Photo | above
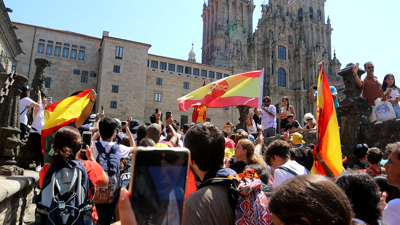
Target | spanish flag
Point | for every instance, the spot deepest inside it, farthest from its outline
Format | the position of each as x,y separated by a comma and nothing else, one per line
241,89
63,113
327,128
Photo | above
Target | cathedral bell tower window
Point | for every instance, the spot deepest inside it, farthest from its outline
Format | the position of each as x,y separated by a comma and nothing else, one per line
281,77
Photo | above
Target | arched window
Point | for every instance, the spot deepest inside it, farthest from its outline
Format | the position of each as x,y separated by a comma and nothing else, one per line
311,13
300,14
319,15
281,52
281,77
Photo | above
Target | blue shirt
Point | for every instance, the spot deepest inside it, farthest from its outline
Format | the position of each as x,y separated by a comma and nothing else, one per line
334,92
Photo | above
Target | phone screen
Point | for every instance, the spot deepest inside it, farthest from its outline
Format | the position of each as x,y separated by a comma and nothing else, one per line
158,186
156,110
167,115
86,138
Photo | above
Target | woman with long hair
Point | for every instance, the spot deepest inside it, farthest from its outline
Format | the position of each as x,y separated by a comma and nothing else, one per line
309,200
391,92
67,147
284,112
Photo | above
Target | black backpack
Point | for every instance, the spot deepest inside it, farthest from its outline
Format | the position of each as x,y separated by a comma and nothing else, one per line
64,198
110,164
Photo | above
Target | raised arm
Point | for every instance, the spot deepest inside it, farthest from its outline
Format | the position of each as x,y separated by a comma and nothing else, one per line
355,73
131,140
87,110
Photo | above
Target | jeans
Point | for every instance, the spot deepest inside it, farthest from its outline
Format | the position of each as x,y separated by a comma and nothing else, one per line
396,108
269,132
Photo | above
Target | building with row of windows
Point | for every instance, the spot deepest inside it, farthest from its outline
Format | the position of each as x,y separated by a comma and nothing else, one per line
129,81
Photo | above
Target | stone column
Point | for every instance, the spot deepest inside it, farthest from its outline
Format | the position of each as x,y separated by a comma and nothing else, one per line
354,111
39,78
243,111
9,127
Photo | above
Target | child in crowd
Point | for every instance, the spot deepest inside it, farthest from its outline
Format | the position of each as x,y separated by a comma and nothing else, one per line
391,93
374,157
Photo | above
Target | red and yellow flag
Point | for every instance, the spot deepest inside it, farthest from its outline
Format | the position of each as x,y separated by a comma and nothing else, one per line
63,113
241,89
327,128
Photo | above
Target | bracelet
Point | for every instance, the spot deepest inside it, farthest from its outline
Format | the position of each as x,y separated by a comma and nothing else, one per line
92,101
321,161
355,74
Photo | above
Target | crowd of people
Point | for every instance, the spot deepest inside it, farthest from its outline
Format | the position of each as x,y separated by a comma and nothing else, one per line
367,193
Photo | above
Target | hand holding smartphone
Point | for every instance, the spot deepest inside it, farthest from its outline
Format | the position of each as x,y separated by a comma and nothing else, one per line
158,184
86,139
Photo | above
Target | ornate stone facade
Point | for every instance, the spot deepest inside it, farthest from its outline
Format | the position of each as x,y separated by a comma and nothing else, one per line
291,38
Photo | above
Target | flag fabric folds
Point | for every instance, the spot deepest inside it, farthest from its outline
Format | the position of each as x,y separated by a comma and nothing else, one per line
63,113
327,128
240,89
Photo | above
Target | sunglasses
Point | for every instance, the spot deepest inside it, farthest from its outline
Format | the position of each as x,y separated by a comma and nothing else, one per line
362,145
308,119
370,67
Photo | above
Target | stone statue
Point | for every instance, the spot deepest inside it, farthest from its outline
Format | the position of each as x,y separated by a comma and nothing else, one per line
39,78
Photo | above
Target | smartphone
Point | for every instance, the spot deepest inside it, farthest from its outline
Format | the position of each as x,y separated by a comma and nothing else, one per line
158,184
314,87
86,139
102,108
168,115
51,99
156,111
357,64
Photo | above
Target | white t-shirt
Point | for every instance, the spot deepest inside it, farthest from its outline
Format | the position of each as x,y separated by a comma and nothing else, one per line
121,135
391,213
38,122
281,176
23,103
123,151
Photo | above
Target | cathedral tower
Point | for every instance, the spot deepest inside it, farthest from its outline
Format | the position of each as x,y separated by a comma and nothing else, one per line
227,33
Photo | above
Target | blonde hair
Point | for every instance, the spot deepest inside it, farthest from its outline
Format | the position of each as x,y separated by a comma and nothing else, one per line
251,157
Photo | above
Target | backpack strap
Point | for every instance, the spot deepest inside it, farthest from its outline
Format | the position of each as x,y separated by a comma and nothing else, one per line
100,148
24,110
287,170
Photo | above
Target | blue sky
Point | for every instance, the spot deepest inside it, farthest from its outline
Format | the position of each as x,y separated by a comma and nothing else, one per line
363,30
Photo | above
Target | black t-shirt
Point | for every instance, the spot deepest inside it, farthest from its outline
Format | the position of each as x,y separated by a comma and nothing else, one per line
289,126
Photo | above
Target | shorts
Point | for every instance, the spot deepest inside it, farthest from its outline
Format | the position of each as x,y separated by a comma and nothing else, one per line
284,122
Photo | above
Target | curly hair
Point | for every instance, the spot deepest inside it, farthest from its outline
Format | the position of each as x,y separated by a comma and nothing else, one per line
362,192
312,197
279,148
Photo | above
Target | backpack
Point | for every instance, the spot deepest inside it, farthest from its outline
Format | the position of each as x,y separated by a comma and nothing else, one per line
64,198
246,198
252,205
110,164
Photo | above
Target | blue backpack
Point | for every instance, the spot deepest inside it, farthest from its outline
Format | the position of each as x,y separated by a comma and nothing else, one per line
64,198
110,164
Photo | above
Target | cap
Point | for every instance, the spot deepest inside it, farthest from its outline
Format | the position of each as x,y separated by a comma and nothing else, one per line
92,118
26,88
134,124
118,121
123,123
360,150
297,139
240,130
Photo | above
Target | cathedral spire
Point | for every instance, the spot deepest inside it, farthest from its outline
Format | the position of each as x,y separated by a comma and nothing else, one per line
192,55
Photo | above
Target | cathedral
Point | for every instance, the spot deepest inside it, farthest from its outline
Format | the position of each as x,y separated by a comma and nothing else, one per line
292,37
